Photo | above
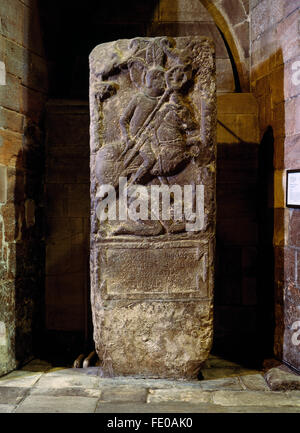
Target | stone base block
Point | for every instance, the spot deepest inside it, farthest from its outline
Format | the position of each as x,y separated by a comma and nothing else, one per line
132,338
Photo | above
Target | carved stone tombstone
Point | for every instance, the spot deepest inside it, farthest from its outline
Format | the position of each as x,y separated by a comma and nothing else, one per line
153,165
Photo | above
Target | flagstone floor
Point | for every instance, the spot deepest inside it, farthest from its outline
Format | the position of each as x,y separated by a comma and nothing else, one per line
226,387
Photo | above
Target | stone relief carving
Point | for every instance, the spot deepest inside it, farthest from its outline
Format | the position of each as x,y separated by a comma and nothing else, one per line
158,130
153,116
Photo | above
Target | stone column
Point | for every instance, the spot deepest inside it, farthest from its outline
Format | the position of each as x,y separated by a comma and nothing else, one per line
153,122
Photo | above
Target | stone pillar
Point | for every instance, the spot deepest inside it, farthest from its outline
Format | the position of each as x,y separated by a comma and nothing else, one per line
153,122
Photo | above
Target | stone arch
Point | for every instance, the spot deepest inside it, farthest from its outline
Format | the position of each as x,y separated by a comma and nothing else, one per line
220,11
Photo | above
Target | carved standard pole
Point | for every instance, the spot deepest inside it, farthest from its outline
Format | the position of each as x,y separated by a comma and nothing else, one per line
153,166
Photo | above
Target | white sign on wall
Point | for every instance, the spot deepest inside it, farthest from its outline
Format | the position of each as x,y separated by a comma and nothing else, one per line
293,188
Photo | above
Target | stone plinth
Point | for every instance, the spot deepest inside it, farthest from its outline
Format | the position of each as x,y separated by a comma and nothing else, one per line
153,122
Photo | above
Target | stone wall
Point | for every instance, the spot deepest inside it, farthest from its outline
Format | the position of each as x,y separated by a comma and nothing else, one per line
236,301
68,51
274,51
23,84
232,18
67,226
187,18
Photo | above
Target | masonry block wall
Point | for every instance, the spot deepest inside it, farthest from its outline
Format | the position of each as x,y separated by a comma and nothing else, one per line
67,189
190,17
236,299
23,86
68,50
275,47
233,19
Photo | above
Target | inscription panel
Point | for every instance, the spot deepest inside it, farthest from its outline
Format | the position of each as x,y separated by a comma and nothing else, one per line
170,272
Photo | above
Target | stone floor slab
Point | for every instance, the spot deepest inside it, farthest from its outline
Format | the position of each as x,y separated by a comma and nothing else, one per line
49,404
125,394
281,379
90,371
143,408
154,408
217,362
69,391
256,398
229,383
12,395
20,378
50,380
181,407
177,395
83,390
37,365
6,408
148,383
254,382
219,373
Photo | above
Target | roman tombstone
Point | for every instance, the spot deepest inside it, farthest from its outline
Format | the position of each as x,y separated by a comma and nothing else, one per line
153,167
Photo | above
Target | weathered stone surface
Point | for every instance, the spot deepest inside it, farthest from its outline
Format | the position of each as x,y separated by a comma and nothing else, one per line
37,365
59,381
291,340
20,379
20,151
219,373
75,391
6,408
124,394
226,383
10,93
12,395
89,371
131,395
254,398
149,336
181,407
225,80
188,395
107,383
282,379
153,120
143,407
254,382
11,120
183,11
235,11
48,404
215,362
